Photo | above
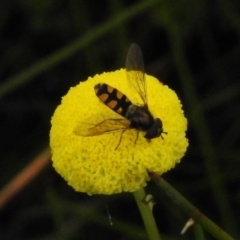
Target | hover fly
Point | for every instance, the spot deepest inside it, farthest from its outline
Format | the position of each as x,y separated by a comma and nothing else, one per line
133,116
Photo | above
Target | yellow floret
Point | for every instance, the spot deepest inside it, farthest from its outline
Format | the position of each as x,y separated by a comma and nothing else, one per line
91,164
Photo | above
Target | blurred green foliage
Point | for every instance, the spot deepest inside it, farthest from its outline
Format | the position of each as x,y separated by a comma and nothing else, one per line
49,46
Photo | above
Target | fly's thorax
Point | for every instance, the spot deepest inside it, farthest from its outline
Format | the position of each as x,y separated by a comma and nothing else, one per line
140,117
130,111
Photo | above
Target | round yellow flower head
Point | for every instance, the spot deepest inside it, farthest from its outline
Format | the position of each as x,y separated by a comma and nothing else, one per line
92,164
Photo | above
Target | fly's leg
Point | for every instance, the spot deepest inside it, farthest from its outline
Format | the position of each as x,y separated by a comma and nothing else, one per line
136,137
120,139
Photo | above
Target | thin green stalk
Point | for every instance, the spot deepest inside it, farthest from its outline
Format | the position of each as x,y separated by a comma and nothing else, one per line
84,214
72,49
198,231
190,210
206,145
147,216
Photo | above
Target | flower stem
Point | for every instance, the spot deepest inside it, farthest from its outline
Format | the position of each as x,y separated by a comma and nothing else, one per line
147,216
198,231
190,210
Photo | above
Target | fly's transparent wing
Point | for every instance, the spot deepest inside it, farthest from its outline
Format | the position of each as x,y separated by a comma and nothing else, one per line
135,71
85,128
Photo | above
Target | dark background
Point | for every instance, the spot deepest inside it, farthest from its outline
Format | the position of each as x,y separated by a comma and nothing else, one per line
192,46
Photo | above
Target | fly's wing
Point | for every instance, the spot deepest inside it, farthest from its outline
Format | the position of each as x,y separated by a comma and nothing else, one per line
135,71
86,128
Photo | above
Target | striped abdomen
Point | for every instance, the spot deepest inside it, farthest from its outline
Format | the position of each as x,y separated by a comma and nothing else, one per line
113,98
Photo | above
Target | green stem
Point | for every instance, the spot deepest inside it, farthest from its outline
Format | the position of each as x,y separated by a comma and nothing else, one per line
198,231
147,216
190,210
198,122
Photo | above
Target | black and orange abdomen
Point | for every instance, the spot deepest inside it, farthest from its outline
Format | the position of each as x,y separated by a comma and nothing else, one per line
113,98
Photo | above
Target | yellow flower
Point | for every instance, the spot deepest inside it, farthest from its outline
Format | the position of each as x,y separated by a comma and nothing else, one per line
91,164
